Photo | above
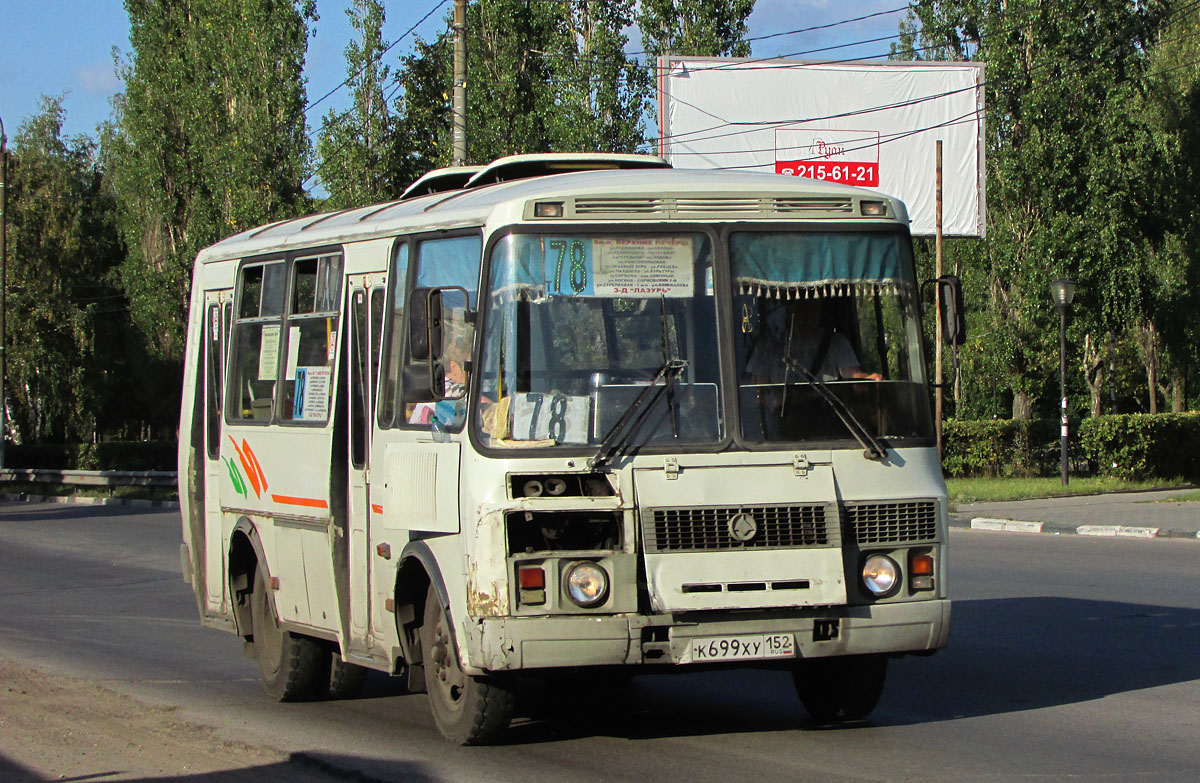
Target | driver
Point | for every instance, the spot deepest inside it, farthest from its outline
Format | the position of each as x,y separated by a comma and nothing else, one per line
802,331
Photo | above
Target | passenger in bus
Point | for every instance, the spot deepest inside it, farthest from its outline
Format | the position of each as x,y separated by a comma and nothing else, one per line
803,331
448,413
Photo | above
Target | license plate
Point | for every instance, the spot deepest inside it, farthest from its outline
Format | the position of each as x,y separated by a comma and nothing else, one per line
742,648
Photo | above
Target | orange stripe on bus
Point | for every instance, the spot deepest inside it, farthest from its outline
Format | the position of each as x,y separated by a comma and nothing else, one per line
307,502
378,509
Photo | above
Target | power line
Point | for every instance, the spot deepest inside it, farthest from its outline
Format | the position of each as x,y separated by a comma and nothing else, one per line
375,60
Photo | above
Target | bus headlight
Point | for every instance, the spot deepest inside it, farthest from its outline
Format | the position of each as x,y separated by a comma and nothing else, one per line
880,575
587,584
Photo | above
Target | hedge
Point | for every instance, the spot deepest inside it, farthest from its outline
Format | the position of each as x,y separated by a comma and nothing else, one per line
112,455
1126,446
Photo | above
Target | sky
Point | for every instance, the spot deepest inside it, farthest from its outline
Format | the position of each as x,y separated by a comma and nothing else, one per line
65,47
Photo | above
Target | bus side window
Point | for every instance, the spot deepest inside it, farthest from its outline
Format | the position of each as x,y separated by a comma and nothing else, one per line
359,395
254,366
213,356
393,335
377,295
311,339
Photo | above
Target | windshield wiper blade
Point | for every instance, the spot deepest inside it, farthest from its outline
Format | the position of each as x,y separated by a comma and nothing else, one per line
617,438
873,449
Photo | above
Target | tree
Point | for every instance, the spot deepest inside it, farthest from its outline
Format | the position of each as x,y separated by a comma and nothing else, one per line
208,140
61,298
695,27
542,77
602,94
358,147
1071,171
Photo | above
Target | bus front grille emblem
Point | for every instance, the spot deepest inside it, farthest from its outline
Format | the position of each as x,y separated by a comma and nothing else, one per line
743,527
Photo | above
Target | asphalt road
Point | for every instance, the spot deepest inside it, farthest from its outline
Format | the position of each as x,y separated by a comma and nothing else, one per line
1070,658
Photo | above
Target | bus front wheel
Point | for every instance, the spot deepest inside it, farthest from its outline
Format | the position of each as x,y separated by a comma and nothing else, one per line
468,710
840,689
290,665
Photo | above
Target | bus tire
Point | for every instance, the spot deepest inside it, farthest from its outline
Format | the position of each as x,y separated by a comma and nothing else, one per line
840,689
343,680
289,664
468,710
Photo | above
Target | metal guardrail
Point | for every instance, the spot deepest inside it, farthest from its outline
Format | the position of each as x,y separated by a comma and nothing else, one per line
91,478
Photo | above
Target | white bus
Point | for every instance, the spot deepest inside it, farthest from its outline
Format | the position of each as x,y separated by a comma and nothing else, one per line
567,414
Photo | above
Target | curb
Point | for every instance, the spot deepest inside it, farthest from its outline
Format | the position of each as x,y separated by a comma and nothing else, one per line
1106,531
68,499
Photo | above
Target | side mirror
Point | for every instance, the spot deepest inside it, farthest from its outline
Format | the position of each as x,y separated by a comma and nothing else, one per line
954,321
423,382
425,324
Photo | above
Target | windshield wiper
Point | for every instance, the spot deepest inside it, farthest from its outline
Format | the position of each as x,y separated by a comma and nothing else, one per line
617,438
873,449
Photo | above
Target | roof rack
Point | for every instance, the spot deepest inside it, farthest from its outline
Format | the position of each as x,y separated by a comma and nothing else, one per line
543,164
440,180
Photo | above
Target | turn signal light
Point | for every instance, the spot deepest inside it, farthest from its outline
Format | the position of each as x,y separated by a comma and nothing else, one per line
531,579
920,568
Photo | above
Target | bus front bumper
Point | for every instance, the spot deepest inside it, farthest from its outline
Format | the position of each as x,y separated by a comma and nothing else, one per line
518,643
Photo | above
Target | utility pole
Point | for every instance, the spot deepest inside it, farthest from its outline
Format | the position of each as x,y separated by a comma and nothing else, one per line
459,121
937,339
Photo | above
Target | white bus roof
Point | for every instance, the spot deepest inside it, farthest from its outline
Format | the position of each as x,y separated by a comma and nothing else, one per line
662,194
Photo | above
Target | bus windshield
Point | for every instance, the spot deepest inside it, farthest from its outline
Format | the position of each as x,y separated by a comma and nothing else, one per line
577,327
827,309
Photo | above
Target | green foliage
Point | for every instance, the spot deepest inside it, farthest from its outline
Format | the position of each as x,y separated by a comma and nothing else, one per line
361,161
542,77
63,306
111,455
695,27
1139,446
1075,176
1125,447
208,140
998,447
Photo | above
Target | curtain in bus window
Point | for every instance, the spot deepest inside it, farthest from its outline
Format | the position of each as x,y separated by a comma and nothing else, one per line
796,265
450,262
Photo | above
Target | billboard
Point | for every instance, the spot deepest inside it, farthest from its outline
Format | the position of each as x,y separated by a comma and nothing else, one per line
874,125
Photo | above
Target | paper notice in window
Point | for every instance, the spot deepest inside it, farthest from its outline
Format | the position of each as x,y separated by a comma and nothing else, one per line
268,353
311,401
644,267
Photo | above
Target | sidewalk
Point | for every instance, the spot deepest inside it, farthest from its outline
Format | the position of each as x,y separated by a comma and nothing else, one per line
1136,514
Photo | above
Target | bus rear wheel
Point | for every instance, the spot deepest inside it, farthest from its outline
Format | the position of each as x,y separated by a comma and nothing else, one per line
343,680
468,710
840,689
289,665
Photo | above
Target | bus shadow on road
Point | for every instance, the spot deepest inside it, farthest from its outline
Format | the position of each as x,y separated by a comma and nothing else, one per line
1016,654
1005,655
298,768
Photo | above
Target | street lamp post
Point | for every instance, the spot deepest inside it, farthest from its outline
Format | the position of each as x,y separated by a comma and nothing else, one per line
1062,292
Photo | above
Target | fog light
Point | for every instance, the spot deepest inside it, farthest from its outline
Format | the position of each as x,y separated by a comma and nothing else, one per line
587,584
880,575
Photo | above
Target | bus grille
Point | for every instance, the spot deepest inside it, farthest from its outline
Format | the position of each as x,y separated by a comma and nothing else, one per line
708,529
876,523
